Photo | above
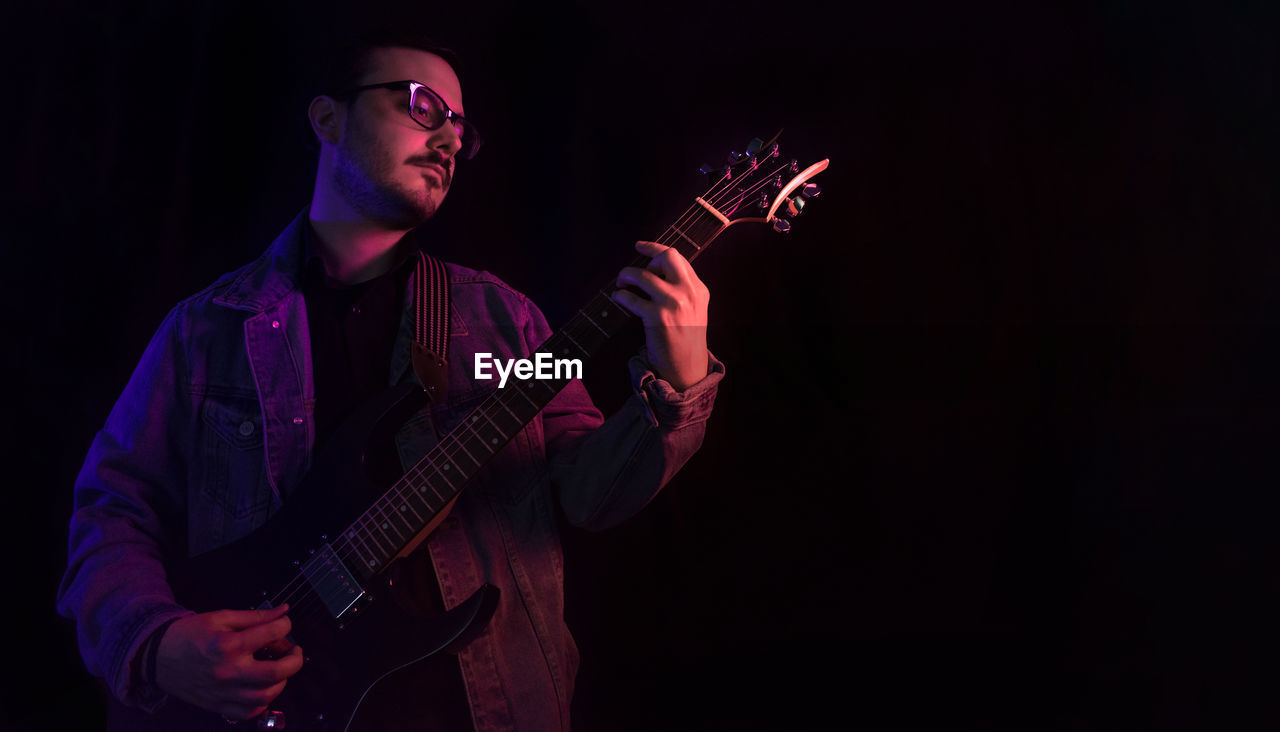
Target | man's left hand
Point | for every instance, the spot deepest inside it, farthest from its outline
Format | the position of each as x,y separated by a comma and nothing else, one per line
674,312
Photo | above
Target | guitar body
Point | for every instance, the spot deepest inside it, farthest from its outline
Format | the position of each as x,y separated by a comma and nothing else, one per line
345,656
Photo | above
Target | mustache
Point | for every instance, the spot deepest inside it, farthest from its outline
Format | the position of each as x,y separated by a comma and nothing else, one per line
435,158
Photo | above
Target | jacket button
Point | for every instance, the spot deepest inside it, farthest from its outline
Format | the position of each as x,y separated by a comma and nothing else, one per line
246,428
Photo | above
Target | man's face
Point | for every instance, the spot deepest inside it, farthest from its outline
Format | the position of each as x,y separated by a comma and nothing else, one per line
388,167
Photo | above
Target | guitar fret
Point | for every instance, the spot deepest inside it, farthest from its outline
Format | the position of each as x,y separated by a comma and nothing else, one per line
589,319
345,545
571,339
370,558
686,237
498,429
381,537
520,405
608,303
369,526
400,514
473,425
532,403
465,451
508,409
385,525
492,416
425,484
389,523
480,441
407,504
584,331
488,442
419,494
418,482
443,473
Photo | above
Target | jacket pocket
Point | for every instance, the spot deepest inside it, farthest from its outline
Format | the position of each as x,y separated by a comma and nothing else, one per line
233,497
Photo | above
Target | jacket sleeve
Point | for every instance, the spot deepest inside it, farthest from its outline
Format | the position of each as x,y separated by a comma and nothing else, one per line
128,511
606,470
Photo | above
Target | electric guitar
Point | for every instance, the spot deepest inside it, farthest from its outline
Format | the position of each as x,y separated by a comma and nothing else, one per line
330,551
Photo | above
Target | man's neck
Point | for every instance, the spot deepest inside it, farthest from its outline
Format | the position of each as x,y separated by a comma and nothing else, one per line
355,251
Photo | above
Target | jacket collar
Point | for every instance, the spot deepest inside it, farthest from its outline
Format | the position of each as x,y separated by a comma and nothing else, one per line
280,271
270,278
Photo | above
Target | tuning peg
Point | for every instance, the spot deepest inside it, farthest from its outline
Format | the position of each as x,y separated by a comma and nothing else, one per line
774,150
777,181
764,201
781,226
795,165
705,168
795,205
812,190
734,157
754,146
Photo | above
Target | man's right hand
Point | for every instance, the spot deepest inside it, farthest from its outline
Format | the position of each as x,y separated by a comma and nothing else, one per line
207,660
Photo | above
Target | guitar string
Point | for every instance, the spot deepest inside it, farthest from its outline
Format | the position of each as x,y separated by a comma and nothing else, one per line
717,198
450,449
304,583
398,491
307,605
306,586
402,485
313,601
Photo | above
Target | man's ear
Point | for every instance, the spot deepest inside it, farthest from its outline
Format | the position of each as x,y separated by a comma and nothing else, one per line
325,115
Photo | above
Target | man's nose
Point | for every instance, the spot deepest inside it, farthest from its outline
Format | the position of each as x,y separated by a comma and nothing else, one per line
446,139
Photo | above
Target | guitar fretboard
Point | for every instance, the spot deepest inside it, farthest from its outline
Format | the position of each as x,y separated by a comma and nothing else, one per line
399,515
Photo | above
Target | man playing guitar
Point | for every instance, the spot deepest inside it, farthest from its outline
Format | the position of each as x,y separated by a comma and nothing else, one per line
245,383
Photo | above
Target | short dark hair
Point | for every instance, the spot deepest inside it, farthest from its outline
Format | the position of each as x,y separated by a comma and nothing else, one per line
344,67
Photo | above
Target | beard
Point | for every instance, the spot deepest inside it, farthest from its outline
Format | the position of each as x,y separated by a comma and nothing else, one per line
366,180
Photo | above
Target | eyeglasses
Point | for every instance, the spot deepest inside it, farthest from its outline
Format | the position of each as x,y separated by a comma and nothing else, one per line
429,110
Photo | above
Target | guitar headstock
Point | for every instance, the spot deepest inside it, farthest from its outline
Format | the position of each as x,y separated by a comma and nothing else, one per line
759,185
753,186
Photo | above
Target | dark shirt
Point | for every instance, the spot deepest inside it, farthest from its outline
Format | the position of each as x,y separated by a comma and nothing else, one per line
353,330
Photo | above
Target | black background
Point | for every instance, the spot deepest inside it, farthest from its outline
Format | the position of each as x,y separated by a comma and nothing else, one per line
995,450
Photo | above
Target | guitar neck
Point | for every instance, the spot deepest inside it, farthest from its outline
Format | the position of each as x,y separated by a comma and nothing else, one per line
393,521
396,519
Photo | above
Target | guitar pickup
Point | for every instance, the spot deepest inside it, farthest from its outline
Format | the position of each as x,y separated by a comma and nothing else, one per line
331,581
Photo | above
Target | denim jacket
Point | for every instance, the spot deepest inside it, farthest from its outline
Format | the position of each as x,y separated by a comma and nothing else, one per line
215,428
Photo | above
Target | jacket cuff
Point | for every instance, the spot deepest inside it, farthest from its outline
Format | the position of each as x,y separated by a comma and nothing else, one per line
131,688
667,407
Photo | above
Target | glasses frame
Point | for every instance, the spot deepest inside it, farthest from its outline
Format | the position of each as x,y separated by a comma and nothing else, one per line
470,143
